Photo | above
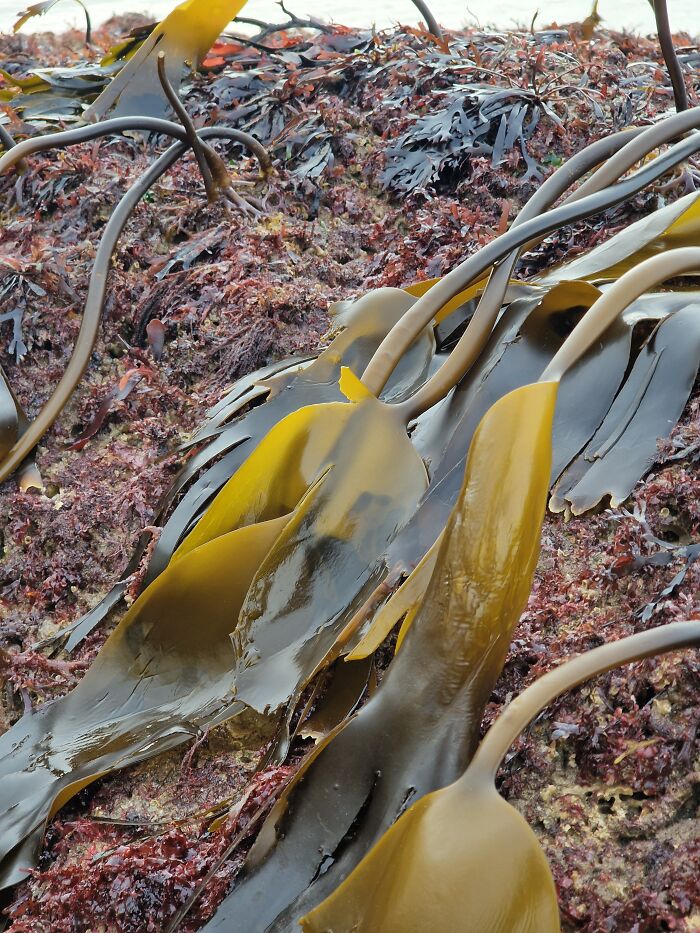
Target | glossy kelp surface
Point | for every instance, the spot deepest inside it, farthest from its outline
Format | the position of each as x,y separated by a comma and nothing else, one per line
677,224
323,566
366,321
385,756
647,408
184,36
461,858
162,676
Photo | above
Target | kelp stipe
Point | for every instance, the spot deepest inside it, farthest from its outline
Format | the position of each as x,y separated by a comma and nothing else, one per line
184,36
92,313
462,859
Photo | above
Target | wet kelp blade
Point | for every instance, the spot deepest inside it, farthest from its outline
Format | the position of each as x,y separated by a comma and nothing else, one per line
323,565
670,227
371,319
625,446
184,36
366,321
164,674
462,859
521,345
391,753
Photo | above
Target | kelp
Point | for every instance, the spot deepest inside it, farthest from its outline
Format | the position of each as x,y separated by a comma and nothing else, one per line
462,858
38,9
677,224
184,37
94,303
387,754
524,339
471,269
163,676
624,447
353,787
675,72
369,321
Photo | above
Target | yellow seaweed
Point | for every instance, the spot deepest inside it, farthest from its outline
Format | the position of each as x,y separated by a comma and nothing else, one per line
184,36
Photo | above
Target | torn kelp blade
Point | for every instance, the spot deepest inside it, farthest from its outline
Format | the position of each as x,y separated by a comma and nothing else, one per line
184,36
625,447
670,227
324,564
391,753
461,859
164,674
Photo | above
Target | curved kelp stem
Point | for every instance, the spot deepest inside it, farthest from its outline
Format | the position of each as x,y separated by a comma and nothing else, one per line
523,709
628,287
92,131
622,150
675,72
194,141
479,328
462,858
449,660
92,314
430,20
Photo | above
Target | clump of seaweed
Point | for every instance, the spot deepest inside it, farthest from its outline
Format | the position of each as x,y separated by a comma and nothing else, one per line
543,311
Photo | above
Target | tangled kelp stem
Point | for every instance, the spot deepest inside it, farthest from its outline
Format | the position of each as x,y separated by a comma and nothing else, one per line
121,125
192,138
621,150
89,327
472,268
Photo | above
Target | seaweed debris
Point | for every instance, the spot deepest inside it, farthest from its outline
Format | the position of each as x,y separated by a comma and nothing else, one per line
229,317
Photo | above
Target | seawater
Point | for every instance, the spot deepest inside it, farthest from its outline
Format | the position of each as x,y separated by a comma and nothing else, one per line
632,15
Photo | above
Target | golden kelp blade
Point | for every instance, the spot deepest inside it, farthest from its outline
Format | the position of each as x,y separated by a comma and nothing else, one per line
317,573
677,224
459,861
184,36
165,673
394,751
276,475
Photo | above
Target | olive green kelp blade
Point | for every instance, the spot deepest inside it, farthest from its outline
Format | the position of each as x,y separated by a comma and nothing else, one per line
367,320
162,676
462,860
647,409
456,862
323,566
394,751
677,224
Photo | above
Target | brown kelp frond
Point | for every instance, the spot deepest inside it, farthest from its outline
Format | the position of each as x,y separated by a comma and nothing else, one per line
184,36
475,854
358,781
38,9
370,320
162,676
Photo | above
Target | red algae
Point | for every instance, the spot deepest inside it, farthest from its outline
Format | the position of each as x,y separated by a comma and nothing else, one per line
608,776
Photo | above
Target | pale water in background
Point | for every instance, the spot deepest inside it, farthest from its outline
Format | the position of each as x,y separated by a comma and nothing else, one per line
633,15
